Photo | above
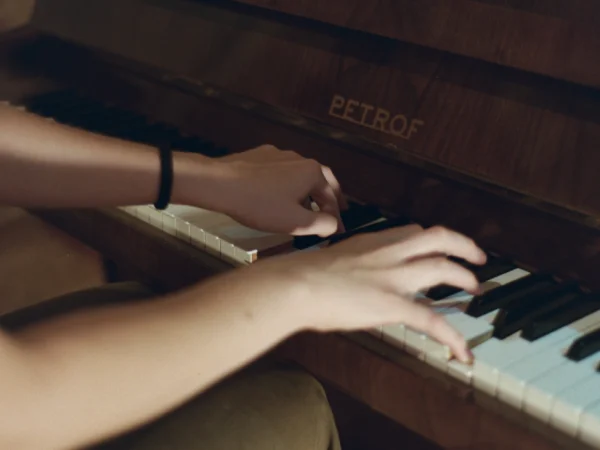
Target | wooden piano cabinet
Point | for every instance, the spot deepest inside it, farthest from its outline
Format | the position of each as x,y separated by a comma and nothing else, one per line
558,38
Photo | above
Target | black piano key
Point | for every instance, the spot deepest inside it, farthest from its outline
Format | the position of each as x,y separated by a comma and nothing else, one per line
585,346
562,316
373,228
503,295
514,316
491,269
358,215
384,224
355,216
303,242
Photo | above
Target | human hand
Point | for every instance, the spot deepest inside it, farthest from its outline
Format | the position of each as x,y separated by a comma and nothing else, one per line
372,280
267,189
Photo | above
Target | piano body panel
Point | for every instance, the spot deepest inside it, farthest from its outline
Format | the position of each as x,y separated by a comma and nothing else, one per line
557,38
532,133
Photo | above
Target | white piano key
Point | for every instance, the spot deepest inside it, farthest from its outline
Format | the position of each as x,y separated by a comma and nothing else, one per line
156,217
228,251
198,237
225,237
169,224
393,335
494,355
246,256
542,391
183,230
460,371
588,430
568,406
131,210
212,243
474,330
182,227
377,332
514,378
143,213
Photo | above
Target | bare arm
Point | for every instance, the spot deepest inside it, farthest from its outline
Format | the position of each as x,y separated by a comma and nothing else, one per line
45,164
87,376
51,165
75,380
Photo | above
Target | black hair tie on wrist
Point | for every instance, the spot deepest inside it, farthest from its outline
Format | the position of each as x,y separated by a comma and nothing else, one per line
166,177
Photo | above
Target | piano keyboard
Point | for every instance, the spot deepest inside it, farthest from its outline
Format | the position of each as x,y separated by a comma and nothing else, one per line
536,339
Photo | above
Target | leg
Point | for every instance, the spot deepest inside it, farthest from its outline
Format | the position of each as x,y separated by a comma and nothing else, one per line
15,13
263,407
257,409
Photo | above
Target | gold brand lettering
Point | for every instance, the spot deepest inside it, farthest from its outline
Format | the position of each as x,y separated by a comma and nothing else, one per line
336,104
373,117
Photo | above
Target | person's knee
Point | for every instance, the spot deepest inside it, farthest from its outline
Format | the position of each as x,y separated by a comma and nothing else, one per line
297,408
15,13
300,390
271,410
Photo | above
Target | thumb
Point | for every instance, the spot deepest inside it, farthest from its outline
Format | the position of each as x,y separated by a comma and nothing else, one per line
309,222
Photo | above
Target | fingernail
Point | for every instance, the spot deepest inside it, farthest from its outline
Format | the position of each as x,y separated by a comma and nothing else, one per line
470,357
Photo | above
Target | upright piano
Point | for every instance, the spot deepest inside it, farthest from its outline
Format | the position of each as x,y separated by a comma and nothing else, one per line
481,115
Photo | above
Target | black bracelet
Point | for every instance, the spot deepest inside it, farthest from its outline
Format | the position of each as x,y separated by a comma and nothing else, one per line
166,177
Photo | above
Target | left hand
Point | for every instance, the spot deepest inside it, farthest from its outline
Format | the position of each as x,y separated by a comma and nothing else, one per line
267,189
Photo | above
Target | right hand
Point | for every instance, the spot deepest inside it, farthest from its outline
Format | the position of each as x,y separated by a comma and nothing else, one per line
372,279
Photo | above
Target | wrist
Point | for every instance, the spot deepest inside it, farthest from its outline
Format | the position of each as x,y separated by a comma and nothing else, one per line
288,290
196,180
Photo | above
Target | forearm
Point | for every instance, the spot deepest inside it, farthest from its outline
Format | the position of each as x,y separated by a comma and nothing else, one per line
89,376
46,164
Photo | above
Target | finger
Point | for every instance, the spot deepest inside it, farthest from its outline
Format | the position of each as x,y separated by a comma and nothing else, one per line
437,240
423,319
397,234
325,198
335,185
304,222
423,274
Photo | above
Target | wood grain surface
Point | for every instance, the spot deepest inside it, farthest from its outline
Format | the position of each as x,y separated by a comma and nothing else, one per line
558,38
516,129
